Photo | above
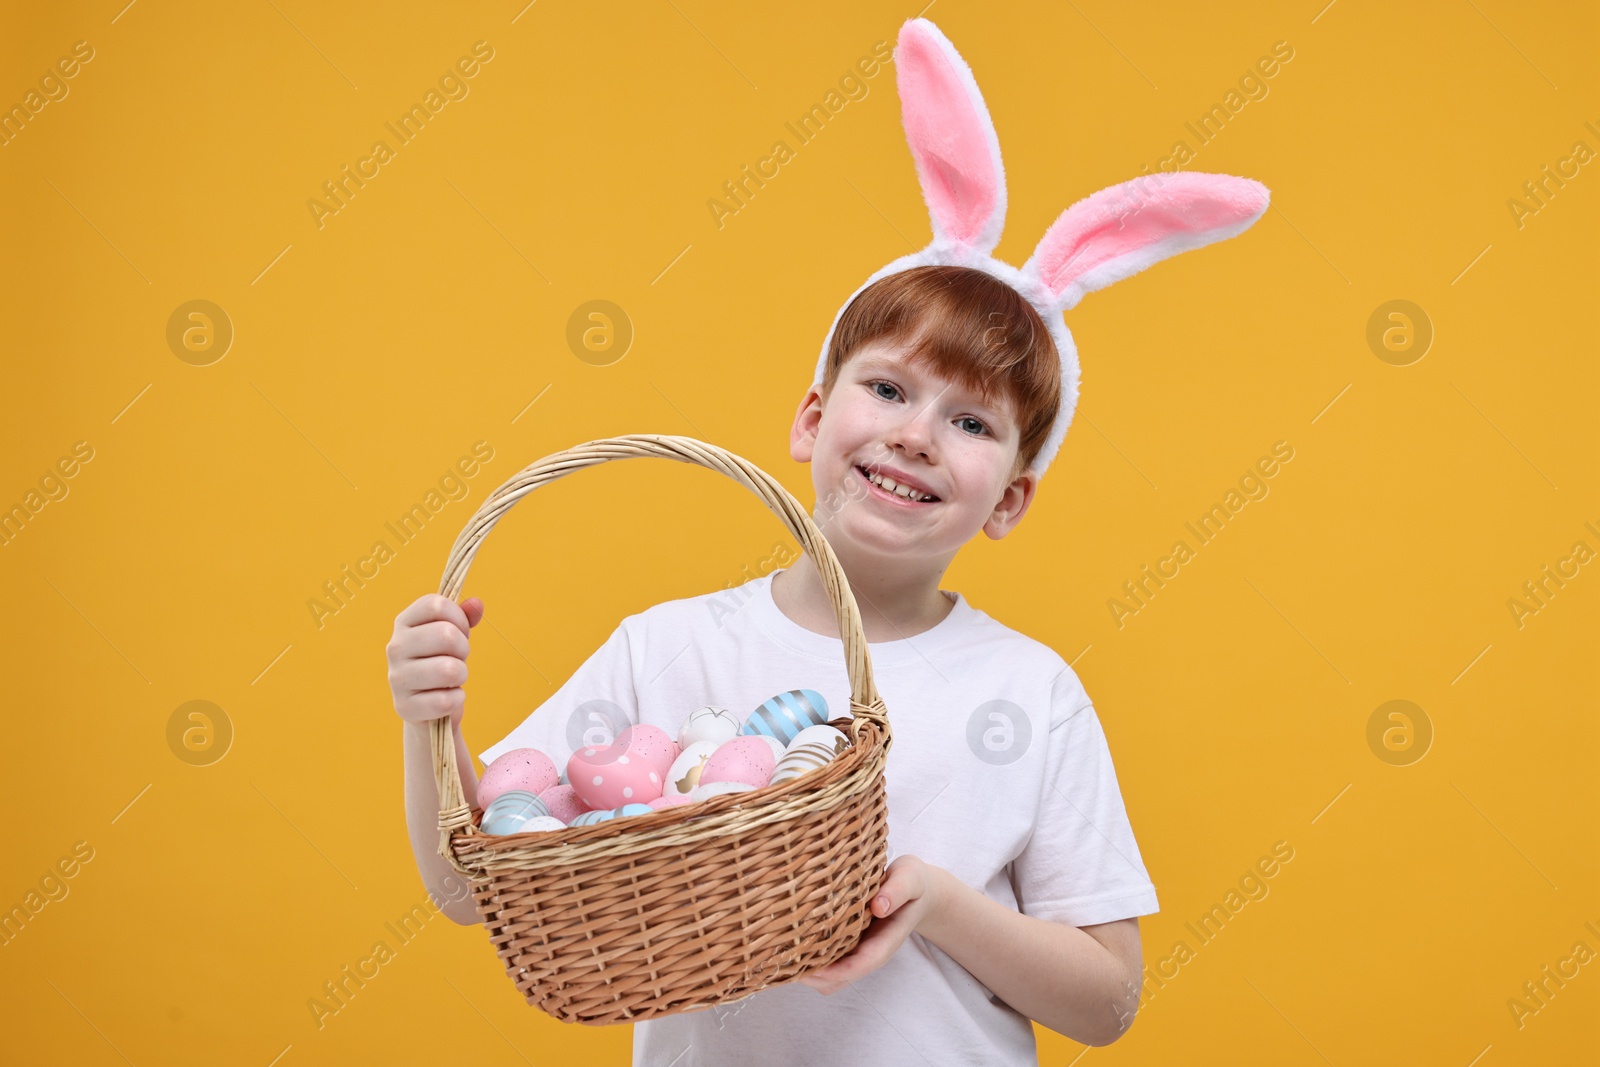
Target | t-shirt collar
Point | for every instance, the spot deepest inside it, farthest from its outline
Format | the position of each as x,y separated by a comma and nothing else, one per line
764,611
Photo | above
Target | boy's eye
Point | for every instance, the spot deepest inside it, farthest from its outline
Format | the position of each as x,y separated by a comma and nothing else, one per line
978,427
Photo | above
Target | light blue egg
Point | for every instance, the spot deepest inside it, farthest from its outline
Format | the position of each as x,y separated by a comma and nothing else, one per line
517,800
787,714
507,812
634,809
589,818
511,795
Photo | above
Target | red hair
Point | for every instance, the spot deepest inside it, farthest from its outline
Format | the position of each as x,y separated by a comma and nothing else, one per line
968,327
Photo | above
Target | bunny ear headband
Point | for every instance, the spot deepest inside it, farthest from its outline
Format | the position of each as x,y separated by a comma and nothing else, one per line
1101,239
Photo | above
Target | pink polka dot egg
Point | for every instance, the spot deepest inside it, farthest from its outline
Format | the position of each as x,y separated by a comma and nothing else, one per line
632,770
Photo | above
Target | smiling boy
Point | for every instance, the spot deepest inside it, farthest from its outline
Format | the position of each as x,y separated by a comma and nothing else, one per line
1015,884
1014,881
944,382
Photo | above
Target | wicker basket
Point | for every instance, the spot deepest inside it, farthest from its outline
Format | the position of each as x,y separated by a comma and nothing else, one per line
691,906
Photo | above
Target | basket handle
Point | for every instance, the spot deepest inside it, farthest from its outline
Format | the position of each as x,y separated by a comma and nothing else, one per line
865,703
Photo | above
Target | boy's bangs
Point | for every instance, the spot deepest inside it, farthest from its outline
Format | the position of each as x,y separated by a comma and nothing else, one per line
969,328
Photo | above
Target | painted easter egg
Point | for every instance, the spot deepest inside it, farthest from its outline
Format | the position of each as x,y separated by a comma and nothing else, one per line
652,744
634,809
707,790
507,813
633,768
773,743
787,714
670,800
564,802
744,759
543,822
684,774
589,818
526,769
801,759
827,735
709,723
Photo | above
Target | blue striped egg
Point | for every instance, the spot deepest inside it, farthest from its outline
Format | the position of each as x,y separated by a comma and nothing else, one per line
787,714
589,818
511,810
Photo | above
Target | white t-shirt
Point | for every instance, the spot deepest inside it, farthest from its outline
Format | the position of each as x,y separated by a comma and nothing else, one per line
998,772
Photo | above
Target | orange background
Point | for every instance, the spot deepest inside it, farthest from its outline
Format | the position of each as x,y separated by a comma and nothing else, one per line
431,312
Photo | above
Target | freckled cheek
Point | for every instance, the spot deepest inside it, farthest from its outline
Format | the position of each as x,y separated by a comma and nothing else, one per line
867,421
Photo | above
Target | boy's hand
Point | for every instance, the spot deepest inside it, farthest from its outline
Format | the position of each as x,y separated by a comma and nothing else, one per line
908,896
428,657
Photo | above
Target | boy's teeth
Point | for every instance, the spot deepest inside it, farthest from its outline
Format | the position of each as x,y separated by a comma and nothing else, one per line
891,486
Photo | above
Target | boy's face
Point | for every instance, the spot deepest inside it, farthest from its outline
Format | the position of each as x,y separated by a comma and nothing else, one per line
885,415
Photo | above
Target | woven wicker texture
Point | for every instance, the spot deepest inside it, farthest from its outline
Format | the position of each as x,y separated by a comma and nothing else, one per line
700,904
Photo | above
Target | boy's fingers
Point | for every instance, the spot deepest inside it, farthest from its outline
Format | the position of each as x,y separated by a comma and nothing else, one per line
473,606
430,608
892,893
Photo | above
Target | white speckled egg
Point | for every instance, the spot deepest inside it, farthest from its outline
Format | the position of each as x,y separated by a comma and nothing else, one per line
774,744
543,822
709,723
827,735
716,789
687,768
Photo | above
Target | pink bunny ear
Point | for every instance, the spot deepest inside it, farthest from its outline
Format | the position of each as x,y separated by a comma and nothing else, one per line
951,137
1123,229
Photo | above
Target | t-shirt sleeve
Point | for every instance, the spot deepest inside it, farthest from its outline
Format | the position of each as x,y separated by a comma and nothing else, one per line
1082,865
590,708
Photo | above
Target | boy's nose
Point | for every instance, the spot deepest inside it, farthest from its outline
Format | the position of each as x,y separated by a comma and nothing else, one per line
914,433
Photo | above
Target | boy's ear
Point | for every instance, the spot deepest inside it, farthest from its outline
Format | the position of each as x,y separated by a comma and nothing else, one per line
1014,502
803,434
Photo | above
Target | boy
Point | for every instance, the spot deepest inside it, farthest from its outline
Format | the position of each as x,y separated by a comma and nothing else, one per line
1015,882
942,393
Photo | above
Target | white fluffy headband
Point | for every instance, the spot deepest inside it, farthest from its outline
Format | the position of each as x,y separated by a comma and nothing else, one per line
1101,239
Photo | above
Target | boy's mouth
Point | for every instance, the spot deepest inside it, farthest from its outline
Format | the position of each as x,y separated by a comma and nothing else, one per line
896,495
